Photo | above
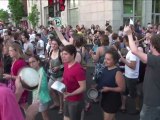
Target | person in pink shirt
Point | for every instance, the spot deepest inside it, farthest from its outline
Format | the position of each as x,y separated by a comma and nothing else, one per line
9,108
75,80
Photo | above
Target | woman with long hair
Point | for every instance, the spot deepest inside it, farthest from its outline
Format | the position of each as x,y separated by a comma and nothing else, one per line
18,63
56,72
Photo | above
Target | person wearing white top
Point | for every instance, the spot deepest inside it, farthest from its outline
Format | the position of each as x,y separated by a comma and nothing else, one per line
132,64
32,37
40,45
28,48
129,72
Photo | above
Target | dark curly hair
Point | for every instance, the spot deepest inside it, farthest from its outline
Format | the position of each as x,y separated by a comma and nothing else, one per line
114,54
70,49
155,41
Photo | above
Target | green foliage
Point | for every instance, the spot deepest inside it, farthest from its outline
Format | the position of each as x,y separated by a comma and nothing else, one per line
33,16
4,15
16,9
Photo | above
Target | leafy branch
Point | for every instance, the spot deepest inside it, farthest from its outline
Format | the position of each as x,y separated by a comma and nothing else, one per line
4,15
33,16
16,9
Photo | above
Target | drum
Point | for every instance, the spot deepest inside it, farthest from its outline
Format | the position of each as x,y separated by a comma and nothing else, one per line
92,93
58,86
29,78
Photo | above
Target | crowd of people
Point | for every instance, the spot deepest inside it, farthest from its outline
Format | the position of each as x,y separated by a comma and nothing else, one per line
122,61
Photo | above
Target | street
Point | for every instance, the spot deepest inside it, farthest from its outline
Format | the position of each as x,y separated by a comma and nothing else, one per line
95,112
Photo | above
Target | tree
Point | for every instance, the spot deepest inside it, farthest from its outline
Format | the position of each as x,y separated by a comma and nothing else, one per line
4,15
16,9
33,16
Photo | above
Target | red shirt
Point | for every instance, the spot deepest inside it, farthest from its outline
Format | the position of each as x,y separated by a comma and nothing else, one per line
71,76
17,66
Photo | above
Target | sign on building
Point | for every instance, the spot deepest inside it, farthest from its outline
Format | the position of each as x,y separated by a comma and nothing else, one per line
57,20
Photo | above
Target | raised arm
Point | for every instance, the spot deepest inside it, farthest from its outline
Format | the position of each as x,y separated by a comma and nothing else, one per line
61,37
133,46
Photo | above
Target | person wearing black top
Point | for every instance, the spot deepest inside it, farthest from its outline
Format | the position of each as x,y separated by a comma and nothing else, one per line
6,62
111,84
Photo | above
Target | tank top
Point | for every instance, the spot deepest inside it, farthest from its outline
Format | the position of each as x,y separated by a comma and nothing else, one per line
108,78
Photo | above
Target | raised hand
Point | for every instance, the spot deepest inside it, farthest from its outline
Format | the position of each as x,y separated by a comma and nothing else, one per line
53,23
128,30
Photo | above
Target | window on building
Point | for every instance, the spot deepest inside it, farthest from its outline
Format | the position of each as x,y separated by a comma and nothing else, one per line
132,9
128,6
73,12
155,11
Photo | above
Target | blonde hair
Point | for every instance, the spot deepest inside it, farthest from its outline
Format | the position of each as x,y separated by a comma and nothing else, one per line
18,49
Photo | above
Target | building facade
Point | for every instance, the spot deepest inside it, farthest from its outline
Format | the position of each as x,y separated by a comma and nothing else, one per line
88,12
42,6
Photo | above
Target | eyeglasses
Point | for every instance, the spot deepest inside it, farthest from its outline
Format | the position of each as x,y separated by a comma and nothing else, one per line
31,62
11,50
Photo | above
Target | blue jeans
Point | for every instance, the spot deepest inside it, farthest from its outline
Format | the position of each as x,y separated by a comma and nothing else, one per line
150,113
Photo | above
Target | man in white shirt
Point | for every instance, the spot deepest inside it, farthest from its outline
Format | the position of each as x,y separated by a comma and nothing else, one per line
132,64
32,37
27,46
40,45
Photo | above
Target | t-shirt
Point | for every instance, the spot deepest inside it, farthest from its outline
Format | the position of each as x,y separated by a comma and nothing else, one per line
15,69
32,37
9,108
41,44
17,66
131,73
28,46
151,85
44,38
71,76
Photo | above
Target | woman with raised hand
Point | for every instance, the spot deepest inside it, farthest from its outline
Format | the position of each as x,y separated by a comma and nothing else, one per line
76,39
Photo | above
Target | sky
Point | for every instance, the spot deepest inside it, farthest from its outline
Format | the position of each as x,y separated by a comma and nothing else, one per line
4,4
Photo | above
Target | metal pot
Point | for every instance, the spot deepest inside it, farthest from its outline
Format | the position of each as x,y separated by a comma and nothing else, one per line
58,86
